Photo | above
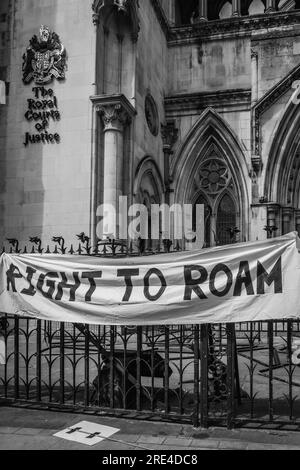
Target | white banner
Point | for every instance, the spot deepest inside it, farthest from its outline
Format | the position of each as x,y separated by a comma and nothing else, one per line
236,283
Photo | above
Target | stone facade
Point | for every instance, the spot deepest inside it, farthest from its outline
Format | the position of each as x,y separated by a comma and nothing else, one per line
220,125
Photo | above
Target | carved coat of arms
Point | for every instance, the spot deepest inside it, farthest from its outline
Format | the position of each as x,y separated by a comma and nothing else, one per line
45,58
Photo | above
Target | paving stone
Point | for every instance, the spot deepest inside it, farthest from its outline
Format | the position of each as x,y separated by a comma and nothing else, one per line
256,446
8,430
208,443
233,445
151,439
21,442
32,431
128,437
177,441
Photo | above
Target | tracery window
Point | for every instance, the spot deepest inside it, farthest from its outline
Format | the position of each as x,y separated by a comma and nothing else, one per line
215,188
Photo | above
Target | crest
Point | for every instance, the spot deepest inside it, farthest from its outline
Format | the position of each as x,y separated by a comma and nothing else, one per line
45,58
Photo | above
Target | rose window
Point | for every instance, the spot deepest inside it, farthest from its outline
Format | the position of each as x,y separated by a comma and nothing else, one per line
214,176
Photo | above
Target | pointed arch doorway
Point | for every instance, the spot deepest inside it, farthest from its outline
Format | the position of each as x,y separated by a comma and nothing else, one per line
211,169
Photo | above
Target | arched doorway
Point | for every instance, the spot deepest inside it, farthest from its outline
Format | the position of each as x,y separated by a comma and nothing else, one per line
210,168
282,181
148,189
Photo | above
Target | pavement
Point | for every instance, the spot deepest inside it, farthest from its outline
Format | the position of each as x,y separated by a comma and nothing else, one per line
28,429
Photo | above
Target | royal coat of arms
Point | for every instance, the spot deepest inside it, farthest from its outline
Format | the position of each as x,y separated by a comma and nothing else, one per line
45,58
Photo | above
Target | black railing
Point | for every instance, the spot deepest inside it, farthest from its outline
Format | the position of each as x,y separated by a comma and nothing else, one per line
205,375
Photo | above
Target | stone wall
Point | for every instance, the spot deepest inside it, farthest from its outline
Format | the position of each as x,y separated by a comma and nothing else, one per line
151,76
45,188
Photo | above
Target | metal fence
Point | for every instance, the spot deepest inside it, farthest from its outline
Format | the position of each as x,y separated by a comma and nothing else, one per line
230,375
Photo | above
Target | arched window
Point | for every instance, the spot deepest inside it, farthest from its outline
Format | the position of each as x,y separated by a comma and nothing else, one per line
207,219
214,187
256,7
226,11
226,220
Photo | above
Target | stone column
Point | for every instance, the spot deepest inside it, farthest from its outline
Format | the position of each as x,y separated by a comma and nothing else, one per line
116,114
270,6
169,135
254,69
114,119
287,217
94,50
236,7
202,6
93,206
172,18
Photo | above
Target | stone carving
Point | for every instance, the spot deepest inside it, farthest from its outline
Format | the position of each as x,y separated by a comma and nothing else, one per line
151,114
45,58
169,135
129,8
214,176
112,114
120,4
231,26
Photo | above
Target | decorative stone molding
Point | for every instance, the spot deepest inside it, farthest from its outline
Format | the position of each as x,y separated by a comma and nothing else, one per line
112,114
231,26
151,114
115,111
198,101
169,134
243,25
126,7
256,166
254,53
267,101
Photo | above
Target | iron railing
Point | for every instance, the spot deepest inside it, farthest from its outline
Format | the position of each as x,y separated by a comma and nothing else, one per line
206,375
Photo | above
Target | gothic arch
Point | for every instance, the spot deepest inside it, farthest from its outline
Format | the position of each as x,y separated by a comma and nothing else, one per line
211,137
148,182
126,10
282,183
117,33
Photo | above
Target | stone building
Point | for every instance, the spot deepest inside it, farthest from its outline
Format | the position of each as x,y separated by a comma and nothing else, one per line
163,101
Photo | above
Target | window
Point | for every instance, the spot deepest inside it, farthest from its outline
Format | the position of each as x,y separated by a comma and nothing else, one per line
215,188
226,221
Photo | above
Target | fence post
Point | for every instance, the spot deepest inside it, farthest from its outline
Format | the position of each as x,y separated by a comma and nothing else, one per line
16,358
86,367
139,333
196,422
62,363
204,375
111,367
230,373
166,375
38,360
271,363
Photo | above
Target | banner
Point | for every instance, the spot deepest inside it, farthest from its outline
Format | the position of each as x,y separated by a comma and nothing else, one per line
235,283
